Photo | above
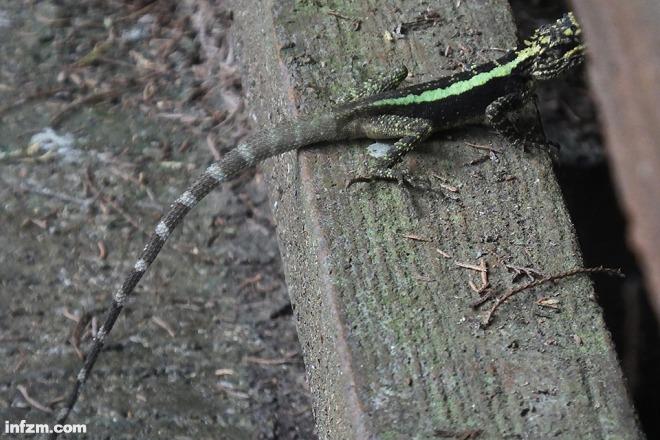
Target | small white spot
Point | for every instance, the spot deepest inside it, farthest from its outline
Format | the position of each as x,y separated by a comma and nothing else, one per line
162,231
120,297
49,141
187,199
379,149
246,152
82,375
140,265
100,335
215,172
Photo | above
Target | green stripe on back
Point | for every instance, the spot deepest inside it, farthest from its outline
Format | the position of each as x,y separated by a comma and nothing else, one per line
461,86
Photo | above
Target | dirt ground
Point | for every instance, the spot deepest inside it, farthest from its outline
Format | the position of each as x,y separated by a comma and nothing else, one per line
107,112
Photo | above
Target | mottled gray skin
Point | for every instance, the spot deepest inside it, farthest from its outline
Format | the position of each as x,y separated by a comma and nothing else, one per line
551,51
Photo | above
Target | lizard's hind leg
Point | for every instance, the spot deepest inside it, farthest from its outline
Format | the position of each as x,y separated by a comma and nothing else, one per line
410,132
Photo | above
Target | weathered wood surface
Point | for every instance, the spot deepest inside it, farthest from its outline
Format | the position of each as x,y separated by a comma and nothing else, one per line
392,347
623,42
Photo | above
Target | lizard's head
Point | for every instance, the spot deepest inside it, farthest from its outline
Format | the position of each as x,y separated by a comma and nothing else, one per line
558,47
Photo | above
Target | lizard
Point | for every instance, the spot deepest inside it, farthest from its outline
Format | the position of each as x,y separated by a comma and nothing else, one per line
485,93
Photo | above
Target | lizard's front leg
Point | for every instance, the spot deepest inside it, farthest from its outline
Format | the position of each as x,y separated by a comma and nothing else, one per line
389,80
497,114
410,132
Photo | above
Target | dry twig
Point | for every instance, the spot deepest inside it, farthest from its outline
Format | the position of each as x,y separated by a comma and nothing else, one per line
88,99
165,326
502,299
33,403
276,361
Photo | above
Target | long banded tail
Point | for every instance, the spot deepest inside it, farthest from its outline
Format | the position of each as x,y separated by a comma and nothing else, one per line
263,144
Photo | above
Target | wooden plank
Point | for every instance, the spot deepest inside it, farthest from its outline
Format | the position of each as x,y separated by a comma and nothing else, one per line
623,43
391,345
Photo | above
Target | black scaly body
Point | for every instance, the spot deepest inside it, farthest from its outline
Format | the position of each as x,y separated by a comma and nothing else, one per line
486,92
